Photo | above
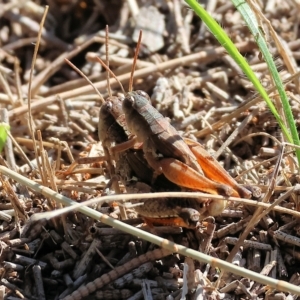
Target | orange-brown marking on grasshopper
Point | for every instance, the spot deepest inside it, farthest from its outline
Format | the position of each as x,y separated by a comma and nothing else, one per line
213,170
171,168
178,222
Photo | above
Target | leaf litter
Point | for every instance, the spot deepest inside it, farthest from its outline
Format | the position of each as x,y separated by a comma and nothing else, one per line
191,81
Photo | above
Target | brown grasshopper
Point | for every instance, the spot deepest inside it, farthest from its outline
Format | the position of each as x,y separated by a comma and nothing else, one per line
165,161
182,162
131,163
174,164
179,160
180,157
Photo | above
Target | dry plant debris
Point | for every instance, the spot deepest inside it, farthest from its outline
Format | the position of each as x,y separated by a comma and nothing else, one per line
191,81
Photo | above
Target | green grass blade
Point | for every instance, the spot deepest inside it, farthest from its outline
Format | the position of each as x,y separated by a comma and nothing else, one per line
3,135
255,29
226,42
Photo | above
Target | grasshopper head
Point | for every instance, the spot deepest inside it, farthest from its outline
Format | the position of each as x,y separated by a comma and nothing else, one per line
143,94
114,106
135,107
105,110
135,100
112,125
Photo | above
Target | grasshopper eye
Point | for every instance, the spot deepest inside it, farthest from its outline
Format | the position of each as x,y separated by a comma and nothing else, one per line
143,94
105,109
108,106
128,102
115,105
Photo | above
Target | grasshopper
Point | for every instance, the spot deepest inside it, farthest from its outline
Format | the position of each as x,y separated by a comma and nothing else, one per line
165,153
179,156
177,159
131,163
145,145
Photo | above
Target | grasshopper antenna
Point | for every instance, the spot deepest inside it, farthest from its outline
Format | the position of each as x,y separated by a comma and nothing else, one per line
86,78
111,73
134,61
107,59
